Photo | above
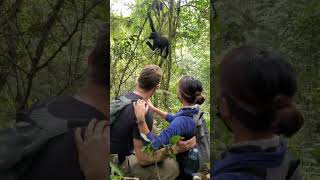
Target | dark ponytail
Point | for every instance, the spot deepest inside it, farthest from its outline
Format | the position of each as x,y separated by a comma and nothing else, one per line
191,89
259,86
287,119
199,98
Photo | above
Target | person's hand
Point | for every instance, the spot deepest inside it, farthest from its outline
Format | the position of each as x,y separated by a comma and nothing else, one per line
93,150
183,146
151,106
140,109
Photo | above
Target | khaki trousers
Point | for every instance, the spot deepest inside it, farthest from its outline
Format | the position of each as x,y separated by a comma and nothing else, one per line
167,169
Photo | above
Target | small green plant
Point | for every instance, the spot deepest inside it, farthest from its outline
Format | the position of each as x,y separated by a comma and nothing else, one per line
175,139
148,149
116,173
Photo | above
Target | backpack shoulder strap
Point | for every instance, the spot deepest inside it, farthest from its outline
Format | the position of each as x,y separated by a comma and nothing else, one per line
27,137
124,99
200,124
197,118
286,170
280,172
116,107
244,170
42,117
293,170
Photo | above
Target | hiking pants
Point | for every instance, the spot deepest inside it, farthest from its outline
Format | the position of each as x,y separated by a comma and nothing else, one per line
167,169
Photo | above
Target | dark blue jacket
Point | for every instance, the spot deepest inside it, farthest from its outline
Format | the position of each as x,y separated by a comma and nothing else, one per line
180,124
251,163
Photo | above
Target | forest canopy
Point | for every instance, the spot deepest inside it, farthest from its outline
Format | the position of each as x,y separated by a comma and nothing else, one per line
43,47
287,27
185,24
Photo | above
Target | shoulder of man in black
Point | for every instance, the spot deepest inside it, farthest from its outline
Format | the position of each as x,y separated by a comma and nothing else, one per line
58,158
125,128
149,117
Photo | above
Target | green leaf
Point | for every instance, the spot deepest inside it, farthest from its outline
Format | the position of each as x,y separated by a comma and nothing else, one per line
116,172
175,139
148,149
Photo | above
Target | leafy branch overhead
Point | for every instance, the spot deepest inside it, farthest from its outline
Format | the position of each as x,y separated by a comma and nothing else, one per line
43,46
37,36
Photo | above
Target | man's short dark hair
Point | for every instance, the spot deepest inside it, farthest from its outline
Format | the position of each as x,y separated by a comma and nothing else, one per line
150,77
100,57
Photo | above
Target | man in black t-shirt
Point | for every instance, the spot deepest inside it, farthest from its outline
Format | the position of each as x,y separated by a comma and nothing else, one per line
127,143
58,158
124,129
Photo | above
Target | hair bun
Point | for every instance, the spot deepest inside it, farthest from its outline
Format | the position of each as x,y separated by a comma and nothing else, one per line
287,118
199,98
281,101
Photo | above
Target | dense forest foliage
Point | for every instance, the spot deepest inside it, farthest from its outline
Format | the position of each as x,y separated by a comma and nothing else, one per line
43,46
292,28
185,24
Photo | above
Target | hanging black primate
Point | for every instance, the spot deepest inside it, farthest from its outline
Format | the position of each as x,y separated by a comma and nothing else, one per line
159,41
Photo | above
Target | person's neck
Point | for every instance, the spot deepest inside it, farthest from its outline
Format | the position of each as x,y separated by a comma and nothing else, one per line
145,95
186,104
95,95
243,134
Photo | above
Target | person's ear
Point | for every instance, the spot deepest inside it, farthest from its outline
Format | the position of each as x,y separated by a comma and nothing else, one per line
158,86
225,113
224,109
88,60
179,97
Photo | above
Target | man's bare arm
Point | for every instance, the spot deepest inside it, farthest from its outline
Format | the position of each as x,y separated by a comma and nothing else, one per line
145,159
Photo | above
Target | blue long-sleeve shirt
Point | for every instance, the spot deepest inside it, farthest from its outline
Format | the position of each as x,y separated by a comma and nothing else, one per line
180,124
245,158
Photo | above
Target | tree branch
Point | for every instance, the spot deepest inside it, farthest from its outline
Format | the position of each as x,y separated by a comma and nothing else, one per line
65,42
45,33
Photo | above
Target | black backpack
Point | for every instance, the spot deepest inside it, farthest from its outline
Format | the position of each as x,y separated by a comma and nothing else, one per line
117,106
21,143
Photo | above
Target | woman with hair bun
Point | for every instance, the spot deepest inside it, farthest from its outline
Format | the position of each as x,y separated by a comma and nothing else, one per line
190,95
256,90
182,123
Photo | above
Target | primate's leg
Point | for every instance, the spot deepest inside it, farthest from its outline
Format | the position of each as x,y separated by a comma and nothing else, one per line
151,46
161,50
167,51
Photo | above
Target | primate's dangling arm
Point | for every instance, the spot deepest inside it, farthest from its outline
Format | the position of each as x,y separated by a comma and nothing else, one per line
151,22
151,46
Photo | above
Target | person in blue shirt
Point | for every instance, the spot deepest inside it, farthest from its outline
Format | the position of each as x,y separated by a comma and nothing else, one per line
256,90
182,123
